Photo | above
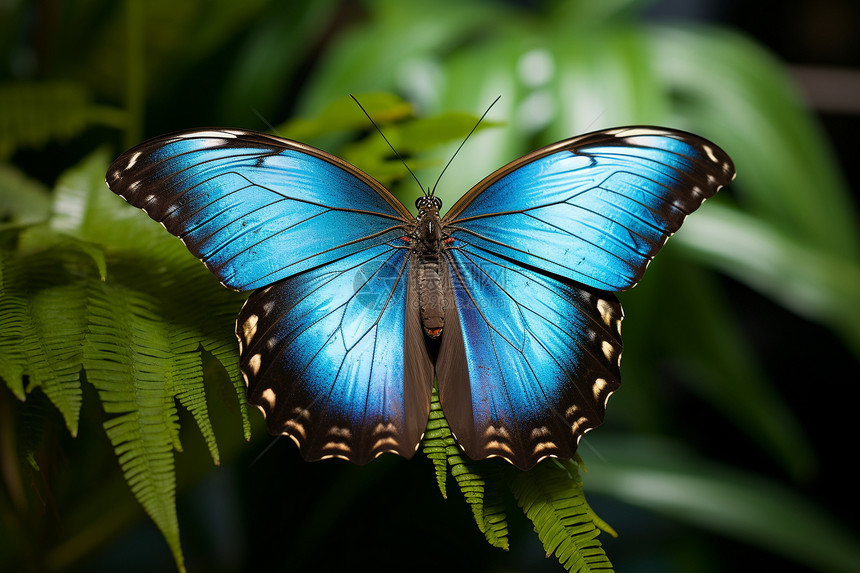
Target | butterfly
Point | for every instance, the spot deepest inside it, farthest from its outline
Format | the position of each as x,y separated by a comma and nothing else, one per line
506,302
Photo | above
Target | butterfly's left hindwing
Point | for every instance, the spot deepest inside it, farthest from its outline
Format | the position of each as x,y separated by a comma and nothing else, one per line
323,356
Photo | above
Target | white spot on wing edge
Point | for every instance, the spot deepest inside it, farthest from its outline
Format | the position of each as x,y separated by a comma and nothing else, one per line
249,328
386,444
599,387
133,160
709,151
337,446
254,363
541,446
269,396
497,445
605,310
608,351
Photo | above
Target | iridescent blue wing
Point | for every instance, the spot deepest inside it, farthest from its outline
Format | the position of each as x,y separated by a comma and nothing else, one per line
531,348
323,356
527,360
253,207
322,345
594,209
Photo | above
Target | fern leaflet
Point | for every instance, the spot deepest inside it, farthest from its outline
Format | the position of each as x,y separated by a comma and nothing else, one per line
479,482
551,496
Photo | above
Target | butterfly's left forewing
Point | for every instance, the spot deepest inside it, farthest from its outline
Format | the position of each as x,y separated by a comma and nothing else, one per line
253,207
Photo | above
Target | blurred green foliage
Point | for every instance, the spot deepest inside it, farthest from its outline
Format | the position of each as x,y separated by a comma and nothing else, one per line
77,76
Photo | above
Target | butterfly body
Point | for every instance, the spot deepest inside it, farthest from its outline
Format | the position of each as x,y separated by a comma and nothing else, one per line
505,302
427,255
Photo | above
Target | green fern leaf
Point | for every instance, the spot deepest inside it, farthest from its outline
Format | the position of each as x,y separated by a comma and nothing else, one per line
479,482
15,334
552,498
189,388
437,441
210,312
42,322
129,360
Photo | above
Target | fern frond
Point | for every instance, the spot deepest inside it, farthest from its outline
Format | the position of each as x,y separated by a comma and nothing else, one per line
188,385
437,441
211,310
479,483
552,498
42,322
16,335
129,360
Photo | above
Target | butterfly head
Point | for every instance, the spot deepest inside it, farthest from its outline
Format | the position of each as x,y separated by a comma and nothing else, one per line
428,203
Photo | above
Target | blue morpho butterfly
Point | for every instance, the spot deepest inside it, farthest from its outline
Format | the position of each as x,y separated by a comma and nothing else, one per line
506,300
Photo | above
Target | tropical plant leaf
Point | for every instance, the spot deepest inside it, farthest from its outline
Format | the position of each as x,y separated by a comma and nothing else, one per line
32,114
551,496
816,283
669,479
343,115
23,200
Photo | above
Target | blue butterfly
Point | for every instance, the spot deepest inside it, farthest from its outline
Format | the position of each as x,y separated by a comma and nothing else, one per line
506,301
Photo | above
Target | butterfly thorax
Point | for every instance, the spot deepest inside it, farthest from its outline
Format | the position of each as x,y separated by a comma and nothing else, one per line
427,255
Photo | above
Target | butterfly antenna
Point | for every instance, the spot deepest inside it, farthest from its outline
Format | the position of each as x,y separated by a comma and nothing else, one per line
433,191
266,121
403,161
266,449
